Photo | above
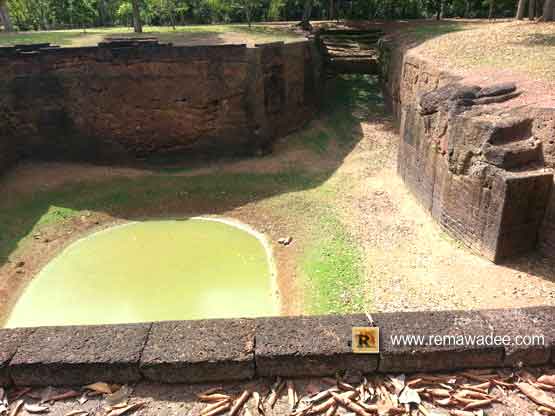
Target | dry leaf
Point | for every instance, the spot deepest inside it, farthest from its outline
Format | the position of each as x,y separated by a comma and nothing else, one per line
127,409
35,408
349,404
547,379
398,383
119,396
99,387
258,403
210,391
239,403
16,408
409,396
536,395
210,398
439,392
478,404
62,396
212,407
291,394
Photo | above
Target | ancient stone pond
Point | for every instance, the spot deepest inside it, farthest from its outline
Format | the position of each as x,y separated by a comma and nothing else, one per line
153,271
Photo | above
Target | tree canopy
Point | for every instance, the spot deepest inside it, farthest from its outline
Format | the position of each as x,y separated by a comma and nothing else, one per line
58,14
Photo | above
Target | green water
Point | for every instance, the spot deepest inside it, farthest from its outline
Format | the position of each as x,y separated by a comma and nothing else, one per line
152,271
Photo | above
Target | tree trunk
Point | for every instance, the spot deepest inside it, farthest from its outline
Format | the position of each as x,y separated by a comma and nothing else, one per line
5,16
332,10
531,9
466,8
137,24
307,12
520,9
548,10
491,10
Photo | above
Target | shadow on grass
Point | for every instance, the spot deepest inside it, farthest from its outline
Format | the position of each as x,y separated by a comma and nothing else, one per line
130,198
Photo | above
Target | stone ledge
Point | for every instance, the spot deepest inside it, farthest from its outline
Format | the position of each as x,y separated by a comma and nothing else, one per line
199,351
536,321
309,346
432,357
10,340
79,355
224,349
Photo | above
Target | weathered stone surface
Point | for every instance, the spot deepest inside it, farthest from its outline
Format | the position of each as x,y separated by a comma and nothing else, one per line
524,322
479,169
10,340
199,351
432,357
498,89
309,346
79,355
139,99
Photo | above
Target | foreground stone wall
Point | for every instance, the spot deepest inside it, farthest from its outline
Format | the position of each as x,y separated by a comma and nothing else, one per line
123,101
483,170
235,349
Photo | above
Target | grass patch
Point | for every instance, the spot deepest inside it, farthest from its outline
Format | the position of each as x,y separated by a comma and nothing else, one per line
424,32
332,270
347,101
179,35
123,196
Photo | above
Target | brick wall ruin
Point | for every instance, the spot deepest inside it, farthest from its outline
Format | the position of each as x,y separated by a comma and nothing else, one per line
124,100
483,169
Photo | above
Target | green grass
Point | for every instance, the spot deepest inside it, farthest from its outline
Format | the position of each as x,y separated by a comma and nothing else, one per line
181,34
425,32
348,100
332,270
25,215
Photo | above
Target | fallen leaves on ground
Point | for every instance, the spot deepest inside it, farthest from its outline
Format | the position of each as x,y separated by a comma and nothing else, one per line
467,393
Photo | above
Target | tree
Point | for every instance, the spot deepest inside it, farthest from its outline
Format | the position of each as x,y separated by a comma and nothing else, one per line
531,9
491,14
248,7
548,10
5,16
137,23
520,9
307,12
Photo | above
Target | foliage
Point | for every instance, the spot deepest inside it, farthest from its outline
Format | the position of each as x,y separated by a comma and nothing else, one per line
60,14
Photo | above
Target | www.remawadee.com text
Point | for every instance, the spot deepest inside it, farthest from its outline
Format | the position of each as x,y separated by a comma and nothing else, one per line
489,340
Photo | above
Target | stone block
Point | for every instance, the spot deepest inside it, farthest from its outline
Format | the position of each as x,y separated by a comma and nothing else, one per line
79,355
431,355
309,346
199,351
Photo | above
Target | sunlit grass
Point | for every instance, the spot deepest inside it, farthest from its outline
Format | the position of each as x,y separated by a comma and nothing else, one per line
179,35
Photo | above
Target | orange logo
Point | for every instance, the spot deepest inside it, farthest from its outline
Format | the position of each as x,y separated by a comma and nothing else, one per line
366,340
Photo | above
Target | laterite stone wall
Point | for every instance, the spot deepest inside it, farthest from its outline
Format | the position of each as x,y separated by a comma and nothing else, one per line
122,102
482,169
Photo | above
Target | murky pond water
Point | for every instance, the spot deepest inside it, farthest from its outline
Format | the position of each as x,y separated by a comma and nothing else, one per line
151,271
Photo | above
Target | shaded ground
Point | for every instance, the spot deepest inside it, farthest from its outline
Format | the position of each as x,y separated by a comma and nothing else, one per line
360,241
156,399
182,35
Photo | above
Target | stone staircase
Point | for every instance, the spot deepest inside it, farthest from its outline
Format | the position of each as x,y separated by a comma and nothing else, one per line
349,51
